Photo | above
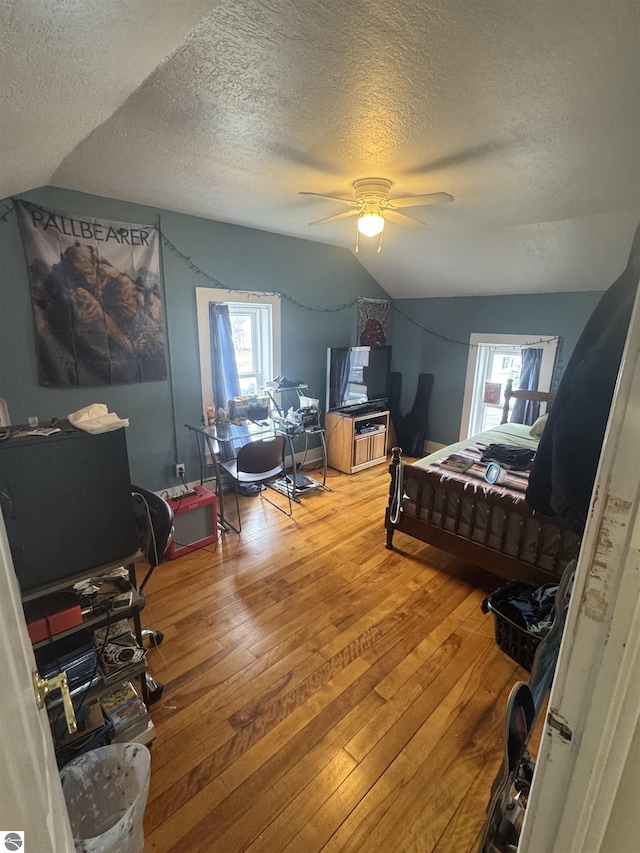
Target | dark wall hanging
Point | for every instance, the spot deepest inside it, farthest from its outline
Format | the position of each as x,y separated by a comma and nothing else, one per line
373,322
97,299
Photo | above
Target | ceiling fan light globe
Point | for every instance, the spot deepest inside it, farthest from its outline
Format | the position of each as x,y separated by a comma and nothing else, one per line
370,224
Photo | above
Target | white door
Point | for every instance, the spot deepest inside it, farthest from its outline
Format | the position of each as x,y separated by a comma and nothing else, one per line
31,799
585,789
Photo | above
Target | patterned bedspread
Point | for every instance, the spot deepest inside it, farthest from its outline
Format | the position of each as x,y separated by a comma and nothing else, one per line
514,486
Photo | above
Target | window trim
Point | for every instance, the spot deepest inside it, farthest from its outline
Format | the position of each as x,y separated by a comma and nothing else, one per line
476,338
204,297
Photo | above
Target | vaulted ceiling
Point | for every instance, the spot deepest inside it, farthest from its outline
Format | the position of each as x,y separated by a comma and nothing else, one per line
528,113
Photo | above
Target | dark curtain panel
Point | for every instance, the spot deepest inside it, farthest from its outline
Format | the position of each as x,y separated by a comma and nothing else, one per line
527,411
564,470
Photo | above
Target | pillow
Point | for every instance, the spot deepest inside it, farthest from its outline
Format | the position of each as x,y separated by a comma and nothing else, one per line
538,427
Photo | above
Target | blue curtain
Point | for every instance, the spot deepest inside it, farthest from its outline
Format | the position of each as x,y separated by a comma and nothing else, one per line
224,369
527,411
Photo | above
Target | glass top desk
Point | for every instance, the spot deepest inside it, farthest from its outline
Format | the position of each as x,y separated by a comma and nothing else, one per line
214,440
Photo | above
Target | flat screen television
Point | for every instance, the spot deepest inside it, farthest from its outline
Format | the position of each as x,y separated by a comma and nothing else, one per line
67,505
357,376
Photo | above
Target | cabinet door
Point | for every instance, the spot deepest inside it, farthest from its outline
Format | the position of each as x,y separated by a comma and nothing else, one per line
361,450
378,444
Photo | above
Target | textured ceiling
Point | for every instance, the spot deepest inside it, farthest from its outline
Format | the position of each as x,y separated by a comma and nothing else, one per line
527,112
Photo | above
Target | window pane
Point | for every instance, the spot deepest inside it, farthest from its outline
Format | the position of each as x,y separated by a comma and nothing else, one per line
249,385
252,342
495,364
244,343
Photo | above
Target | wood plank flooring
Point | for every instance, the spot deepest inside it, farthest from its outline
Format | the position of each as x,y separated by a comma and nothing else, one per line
322,692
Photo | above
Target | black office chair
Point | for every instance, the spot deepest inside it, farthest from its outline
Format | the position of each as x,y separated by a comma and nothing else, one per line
154,527
259,463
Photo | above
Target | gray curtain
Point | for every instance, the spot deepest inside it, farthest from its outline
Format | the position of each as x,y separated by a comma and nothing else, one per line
527,411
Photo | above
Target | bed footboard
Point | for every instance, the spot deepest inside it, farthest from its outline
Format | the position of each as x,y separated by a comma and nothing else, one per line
395,487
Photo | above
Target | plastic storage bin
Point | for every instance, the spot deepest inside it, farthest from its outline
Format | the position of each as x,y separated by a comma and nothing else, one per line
106,792
513,639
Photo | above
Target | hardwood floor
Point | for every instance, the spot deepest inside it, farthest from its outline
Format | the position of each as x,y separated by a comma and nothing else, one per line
322,692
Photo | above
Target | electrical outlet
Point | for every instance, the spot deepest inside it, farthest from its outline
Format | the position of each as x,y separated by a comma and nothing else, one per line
180,470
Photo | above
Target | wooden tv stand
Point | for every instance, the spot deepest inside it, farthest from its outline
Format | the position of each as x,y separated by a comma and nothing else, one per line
351,446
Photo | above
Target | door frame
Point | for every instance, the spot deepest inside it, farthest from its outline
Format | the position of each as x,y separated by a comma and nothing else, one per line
594,706
31,799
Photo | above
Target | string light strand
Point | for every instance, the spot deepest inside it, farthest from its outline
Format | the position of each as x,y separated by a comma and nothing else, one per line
214,282
464,343
8,208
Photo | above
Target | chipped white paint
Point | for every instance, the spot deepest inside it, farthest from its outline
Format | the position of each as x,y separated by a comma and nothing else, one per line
596,692
527,113
595,598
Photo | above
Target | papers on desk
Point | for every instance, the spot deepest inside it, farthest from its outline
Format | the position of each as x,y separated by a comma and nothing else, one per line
42,431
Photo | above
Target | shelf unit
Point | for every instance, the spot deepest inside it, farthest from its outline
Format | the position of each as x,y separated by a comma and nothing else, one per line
295,482
356,441
97,686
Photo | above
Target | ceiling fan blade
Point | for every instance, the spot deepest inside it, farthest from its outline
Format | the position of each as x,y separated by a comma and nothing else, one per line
335,217
403,219
417,200
350,201
459,158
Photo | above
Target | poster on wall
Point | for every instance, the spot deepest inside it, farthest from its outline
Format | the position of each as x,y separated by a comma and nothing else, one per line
492,392
373,322
96,297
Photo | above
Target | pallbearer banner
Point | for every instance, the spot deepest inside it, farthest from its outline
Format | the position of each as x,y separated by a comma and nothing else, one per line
96,296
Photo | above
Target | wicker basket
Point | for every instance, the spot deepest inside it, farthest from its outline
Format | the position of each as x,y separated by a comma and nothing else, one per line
515,641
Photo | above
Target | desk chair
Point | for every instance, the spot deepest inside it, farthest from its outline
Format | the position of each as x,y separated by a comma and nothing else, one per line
154,526
258,463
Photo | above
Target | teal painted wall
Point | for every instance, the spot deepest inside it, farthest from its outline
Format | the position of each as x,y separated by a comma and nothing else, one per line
415,351
247,259
241,258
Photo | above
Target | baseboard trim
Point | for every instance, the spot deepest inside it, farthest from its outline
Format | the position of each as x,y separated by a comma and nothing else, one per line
432,446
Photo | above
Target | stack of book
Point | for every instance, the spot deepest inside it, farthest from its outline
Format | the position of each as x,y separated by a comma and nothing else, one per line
126,712
457,462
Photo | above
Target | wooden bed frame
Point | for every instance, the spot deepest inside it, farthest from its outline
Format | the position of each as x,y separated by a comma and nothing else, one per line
432,531
511,393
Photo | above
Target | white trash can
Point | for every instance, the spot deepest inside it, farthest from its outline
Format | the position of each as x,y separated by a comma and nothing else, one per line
106,791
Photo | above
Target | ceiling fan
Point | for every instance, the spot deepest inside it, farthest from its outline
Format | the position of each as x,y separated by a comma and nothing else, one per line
373,207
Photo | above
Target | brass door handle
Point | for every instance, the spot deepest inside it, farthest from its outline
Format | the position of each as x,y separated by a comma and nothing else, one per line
43,686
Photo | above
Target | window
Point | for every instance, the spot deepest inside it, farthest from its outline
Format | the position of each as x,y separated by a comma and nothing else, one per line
255,326
492,360
251,330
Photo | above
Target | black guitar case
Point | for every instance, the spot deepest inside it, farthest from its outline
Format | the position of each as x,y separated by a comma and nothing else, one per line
414,425
395,416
